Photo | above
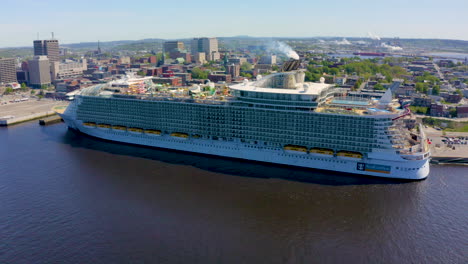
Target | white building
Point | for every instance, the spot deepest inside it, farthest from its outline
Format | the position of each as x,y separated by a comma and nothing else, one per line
209,46
268,59
68,69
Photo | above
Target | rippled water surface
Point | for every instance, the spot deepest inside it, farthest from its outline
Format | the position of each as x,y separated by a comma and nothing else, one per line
69,198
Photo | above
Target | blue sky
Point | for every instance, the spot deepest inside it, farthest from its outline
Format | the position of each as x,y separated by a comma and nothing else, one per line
86,20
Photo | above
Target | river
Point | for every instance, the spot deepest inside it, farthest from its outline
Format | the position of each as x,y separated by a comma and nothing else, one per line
69,198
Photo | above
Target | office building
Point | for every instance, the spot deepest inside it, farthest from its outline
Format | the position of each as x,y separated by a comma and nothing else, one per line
171,46
233,70
49,48
7,70
199,57
68,69
39,71
268,59
209,46
238,61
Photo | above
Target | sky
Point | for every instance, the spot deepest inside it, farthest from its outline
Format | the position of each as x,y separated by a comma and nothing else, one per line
93,20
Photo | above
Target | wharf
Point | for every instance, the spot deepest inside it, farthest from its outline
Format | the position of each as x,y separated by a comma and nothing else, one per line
448,153
449,160
21,119
19,112
50,120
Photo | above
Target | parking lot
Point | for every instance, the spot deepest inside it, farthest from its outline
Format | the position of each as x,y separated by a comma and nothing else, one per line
453,144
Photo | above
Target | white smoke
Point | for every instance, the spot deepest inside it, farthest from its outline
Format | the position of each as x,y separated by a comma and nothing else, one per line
372,36
342,42
394,48
284,48
360,42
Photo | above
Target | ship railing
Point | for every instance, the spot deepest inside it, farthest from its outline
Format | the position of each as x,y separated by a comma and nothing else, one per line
185,99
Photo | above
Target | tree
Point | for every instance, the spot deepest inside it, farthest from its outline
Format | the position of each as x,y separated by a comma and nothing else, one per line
357,84
197,73
246,66
436,90
453,112
421,87
8,90
141,73
419,109
459,92
379,87
334,71
246,75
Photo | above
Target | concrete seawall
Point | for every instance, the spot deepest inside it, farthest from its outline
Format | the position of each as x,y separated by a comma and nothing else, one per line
17,120
50,120
450,160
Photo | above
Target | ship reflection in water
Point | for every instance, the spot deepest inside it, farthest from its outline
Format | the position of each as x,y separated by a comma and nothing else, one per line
67,197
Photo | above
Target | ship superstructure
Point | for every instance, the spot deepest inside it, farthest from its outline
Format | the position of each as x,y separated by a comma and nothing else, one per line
279,118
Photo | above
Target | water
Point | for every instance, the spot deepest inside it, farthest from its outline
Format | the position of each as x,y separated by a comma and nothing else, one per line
68,198
452,55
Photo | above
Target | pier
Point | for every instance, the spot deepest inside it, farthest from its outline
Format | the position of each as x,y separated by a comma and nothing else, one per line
50,120
19,112
445,152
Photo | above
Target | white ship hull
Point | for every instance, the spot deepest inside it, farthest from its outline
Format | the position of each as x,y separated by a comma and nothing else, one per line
410,170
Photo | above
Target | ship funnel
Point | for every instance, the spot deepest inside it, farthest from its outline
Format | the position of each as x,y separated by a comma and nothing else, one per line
291,65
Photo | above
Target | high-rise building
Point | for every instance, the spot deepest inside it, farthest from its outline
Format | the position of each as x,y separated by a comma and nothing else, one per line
39,71
209,46
233,70
171,46
49,48
7,70
268,59
199,57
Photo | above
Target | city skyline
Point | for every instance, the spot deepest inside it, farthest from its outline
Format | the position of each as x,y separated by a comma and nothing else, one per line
91,21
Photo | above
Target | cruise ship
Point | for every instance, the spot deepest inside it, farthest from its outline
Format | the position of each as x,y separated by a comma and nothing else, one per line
278,118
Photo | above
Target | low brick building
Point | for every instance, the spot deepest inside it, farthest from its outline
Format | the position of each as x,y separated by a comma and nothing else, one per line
462,111
220,78
172,81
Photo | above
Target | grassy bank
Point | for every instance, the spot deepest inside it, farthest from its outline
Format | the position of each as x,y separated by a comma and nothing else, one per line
446,125
458,129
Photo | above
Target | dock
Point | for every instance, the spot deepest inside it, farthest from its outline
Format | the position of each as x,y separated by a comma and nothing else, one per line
443,152
50,120
21,119
449,160
19,112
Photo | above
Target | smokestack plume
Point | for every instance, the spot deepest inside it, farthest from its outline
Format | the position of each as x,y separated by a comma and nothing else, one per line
283,48
372,36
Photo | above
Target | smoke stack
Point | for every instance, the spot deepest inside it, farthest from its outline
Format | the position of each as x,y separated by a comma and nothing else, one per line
291,65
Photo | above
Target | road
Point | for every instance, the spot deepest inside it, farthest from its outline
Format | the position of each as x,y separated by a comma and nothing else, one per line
441,76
